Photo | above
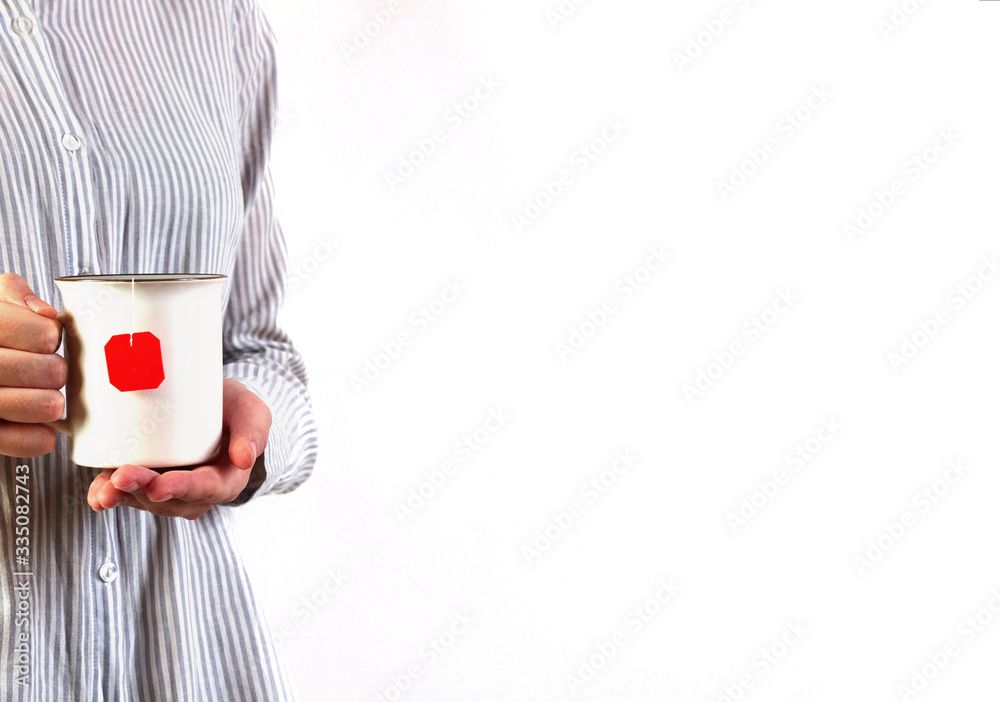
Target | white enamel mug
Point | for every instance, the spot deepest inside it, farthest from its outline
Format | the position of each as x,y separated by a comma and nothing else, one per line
144,357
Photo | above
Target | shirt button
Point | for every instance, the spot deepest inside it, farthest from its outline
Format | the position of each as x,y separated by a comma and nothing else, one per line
23,25
108,572
71,142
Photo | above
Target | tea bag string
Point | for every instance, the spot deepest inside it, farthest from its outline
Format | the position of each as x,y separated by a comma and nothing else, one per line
133,313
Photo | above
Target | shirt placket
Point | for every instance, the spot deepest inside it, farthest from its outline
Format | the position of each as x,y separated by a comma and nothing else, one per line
68,142
77,250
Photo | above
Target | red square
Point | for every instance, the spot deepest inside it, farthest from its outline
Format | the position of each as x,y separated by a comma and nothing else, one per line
134,361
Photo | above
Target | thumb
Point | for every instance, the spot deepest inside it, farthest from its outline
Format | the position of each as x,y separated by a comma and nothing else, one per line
248,421
15,290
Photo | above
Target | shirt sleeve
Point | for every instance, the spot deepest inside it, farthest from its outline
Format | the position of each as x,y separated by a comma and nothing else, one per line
256,351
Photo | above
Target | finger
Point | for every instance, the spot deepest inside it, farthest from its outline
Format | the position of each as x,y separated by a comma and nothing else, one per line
132,479
108,496
22,369
176,508
138,501
105,493
31,406
170,508
248,421
96,485
21,327
206,485
131,501
26,440
15,290
123,485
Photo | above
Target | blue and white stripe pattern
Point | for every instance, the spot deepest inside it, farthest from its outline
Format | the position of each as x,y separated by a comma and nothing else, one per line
134,137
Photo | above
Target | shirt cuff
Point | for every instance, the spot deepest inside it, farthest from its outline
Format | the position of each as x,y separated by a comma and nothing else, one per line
272,472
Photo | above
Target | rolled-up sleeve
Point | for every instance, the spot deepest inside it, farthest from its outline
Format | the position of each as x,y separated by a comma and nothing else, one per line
256,351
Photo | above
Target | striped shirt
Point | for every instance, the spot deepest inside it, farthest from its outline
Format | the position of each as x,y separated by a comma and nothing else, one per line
134,137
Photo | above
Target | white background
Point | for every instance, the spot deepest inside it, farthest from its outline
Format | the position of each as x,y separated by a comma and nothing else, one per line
348,120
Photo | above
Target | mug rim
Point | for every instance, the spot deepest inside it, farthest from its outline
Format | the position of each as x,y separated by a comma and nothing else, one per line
138,278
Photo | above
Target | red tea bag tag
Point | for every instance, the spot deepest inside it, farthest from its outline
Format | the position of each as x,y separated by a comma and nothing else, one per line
134,361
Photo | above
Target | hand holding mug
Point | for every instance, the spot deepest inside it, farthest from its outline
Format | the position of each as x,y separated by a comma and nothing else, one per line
145,385
31,373
190,493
